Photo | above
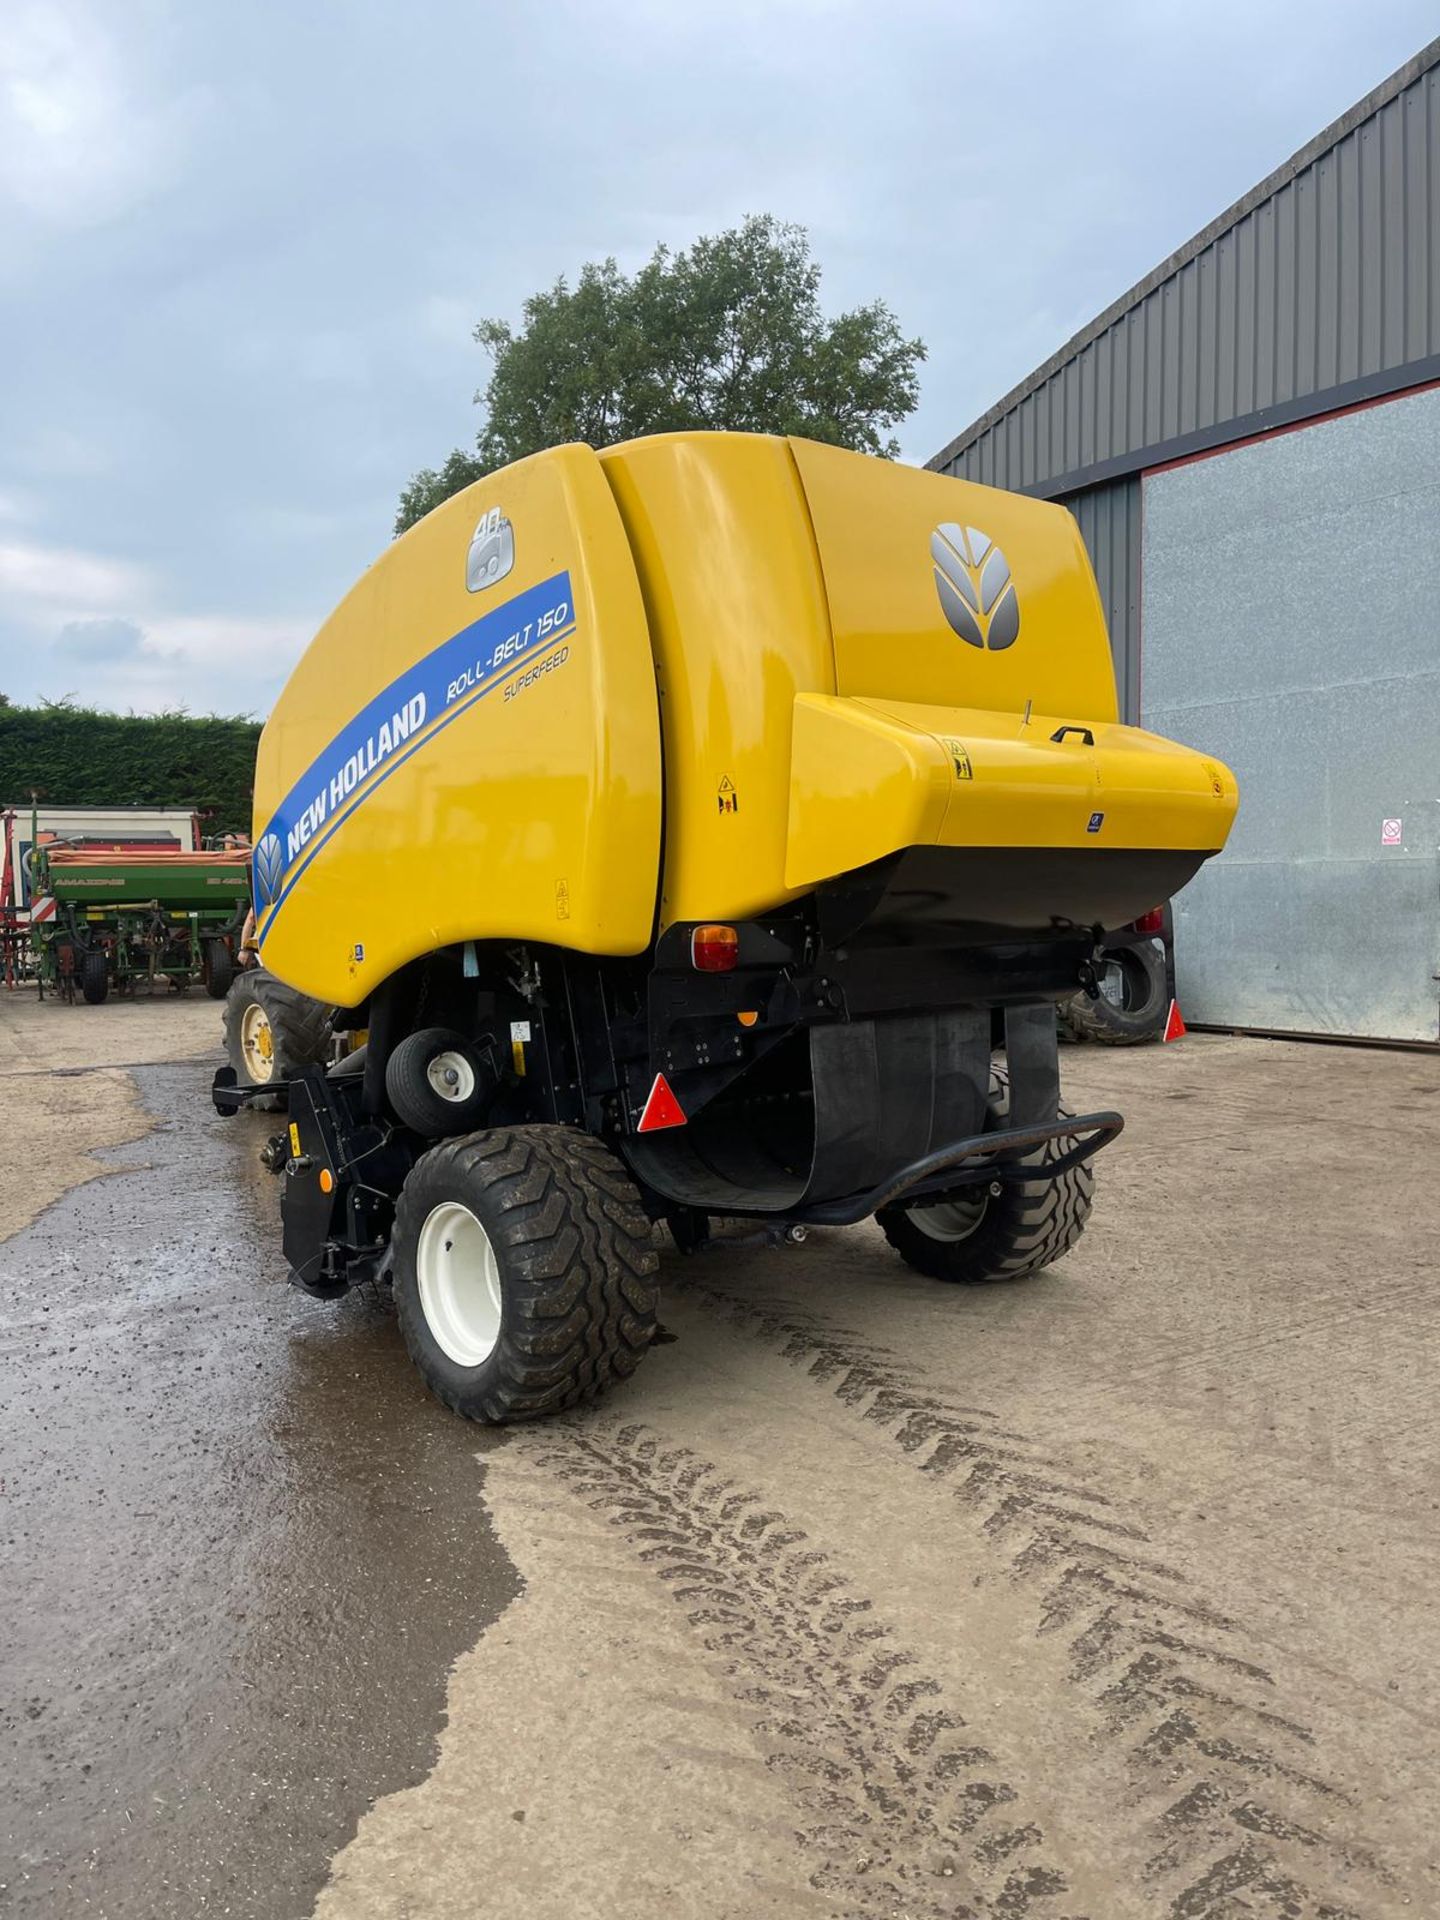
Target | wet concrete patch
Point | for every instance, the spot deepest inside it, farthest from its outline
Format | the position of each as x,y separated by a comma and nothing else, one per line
241,1544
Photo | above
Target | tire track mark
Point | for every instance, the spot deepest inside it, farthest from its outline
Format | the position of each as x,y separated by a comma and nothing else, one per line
906,1807
1239,1813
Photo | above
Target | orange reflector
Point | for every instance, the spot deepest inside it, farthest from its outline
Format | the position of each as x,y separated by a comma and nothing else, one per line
714,949
327,1180
662,1109
747,1019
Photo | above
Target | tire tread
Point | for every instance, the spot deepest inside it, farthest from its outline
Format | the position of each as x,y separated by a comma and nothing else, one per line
1043,1219
299,1026
1108,1026
577,1266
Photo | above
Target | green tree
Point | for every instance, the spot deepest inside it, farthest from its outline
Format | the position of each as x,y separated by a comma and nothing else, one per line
728,333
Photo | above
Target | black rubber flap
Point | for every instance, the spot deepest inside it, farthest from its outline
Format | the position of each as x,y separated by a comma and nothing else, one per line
1032,1054
887,1092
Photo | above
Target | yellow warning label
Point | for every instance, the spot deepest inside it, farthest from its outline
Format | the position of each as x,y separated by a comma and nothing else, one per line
519,1037
294,1141
959,759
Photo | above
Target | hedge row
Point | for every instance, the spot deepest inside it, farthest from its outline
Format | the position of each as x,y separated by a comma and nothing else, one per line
73,757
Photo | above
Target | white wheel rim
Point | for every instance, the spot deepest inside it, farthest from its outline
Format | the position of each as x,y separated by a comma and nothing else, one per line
459,1283
954,1221
257,1043
452,1076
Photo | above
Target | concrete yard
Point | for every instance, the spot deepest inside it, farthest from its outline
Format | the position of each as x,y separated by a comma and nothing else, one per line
1108,1593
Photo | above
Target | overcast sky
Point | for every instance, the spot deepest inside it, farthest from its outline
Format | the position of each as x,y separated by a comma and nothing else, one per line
242,246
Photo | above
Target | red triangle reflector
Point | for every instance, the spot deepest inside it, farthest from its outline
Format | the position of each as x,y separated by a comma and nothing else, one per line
662,1109
1175,1028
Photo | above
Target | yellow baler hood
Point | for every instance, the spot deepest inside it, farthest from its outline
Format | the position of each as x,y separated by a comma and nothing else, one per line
857,659
692,678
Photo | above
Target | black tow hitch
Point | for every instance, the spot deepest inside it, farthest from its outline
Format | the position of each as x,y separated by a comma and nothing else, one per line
690,1229
225,1093
228,1096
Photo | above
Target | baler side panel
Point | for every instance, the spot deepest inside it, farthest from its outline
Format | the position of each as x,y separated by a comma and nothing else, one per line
448,765
737,615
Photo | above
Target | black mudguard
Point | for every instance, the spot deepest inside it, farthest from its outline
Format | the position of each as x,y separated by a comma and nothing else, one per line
889,1093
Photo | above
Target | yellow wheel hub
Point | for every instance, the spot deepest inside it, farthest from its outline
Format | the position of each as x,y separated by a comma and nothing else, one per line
257,1042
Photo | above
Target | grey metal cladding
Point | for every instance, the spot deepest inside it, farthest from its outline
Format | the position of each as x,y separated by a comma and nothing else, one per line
1110,525
951,557
1324,275
1331,723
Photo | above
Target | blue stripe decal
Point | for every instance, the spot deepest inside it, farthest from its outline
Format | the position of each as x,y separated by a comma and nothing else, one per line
392,726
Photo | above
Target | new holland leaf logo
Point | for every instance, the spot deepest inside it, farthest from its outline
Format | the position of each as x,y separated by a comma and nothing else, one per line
972,578
269,866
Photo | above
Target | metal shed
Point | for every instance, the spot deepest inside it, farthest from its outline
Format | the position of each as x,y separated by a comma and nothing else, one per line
1250,441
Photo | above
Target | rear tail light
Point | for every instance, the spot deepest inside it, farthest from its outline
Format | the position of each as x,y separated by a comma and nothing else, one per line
1152,922
714,949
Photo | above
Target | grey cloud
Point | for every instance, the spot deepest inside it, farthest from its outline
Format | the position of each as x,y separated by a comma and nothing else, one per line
222,375
94,641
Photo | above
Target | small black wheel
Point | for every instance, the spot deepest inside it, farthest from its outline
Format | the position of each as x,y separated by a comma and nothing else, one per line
440,1083
982,1235
524,1272
219,969
1132,1002
94,976
271,1032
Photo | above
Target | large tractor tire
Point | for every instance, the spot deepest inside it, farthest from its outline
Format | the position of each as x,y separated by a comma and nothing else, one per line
1132,1002
984,1236
524,1272
94,976
271,1032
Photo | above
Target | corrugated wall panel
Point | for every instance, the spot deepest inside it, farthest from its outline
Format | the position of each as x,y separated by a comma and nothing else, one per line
1327,274
1207,352
1429,257
1287,328
1109,520
1132,348
1349,237
1172,366
1247,274
1307,282
1228,301
1266,275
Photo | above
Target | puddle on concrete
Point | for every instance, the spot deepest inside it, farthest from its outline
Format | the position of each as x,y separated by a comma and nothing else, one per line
241,1545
